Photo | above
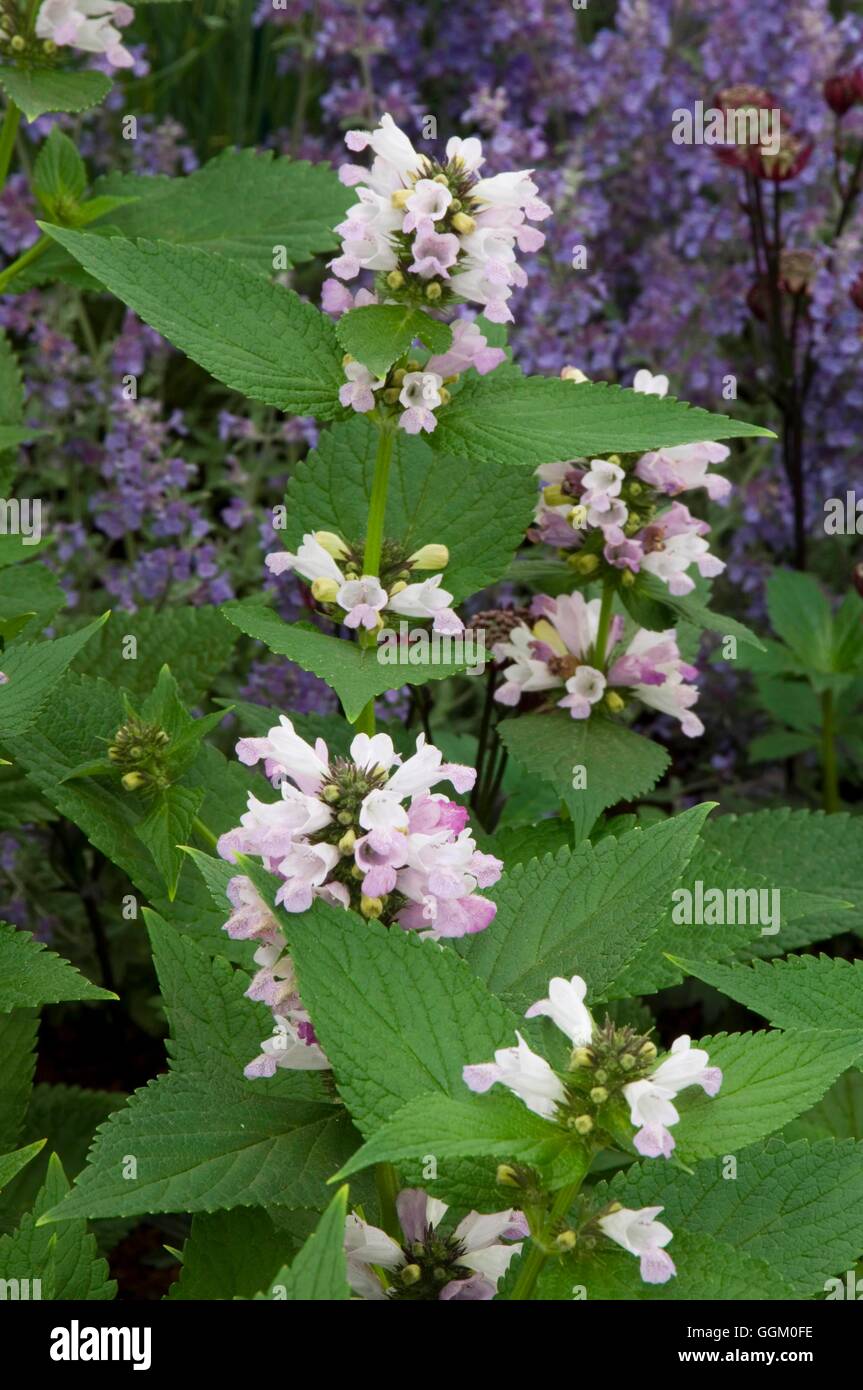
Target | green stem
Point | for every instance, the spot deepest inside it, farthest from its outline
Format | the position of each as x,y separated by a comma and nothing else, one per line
602,631
538,1253
204,831
830,772
32,254
8,132
387,1184
365,723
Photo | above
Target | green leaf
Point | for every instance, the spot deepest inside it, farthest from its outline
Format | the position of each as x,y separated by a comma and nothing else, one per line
397,1017
205,1138
33,670
68,1115
59,174
767,1079
30,975
356,674
526,421
229,1254
584,912
480,512
196,644
18,1031
498,1127
67,1261
39,90
800,614
256,337
11,392
12,1163
797,1206
30,589
808,851
166,826
619,764
516,844
838,1115
797,992
379,334
688,608
319,1273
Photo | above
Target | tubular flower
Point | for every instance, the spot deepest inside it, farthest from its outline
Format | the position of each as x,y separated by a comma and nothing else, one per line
93,26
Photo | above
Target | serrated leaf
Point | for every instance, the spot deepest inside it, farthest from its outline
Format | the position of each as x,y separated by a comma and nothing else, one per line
356,674
481,513
379,334
59,174
256,337
167,826
33,669
68,1116
319,1272
686,608
767,1079
18,1031
196,644
30,589
838,1115
229,1254
585,912
67,1261
797,992
38,90
516,844
619,764
531,420
800,614
397,1017
12,1163
30,975
499,1127
797,1206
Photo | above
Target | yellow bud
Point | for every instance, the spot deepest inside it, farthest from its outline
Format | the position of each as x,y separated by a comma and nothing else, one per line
391,395
445,396
325,590
613,1207
347,842
345,818
506,1175
400,197
627,579
573,374
566,1240
330,793
585,564
346,359
648,1050
614,702
395,279
397,587
433,290
464,223
582,1057
398,376
413,365
18,44
357,872
554,495
371,907
627,1061
429,557
133,780
441,178
332,544
410,1274
599,1095
583,1125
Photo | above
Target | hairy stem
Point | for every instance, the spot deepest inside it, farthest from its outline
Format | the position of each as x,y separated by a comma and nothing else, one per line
8,131
375,538
538,1253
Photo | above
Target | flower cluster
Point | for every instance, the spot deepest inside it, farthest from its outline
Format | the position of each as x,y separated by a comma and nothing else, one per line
436,232
605,1064
558,651
611,1071
340,831
464,1264
334,570
91,26
602,509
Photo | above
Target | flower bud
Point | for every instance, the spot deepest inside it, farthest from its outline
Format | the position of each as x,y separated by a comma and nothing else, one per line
332,544
441,178
330,793
429,557
841,92
627,579
345,818
397,588
582,1057
371,907
391,395
566,1241
601,1075
463,223
18,44
627,1061
395,279
583,1124
614,702
325,590
647,1050
599,1095
554,495
506,1175
410,1274
445,396
347,842
133,780
573,374
584,564
400,196
433,290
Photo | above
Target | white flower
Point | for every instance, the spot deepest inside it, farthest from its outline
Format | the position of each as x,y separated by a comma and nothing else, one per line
420,395
678,553
305,867
642,1235
285,753
650,385
583,690
566,1008
523,1072
358,390
685,1066
362,600
312,561
428,201
288,1048
88,25
650,1100
427,600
